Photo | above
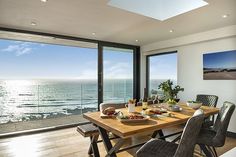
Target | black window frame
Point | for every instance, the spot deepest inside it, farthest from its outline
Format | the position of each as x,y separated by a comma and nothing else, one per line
136,68
101,44
148,65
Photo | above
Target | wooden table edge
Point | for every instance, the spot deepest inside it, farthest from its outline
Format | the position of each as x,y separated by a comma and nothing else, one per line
151,129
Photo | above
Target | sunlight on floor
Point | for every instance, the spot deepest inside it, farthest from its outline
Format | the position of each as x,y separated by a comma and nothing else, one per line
24,147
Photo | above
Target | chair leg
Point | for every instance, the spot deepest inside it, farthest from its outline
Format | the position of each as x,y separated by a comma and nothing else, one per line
201,151
214,149
211,150
206,151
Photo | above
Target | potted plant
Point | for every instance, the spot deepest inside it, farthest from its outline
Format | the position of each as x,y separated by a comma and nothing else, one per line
170,92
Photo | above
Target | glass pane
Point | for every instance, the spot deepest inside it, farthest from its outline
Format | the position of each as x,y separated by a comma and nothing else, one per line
46,82
162,67
118,74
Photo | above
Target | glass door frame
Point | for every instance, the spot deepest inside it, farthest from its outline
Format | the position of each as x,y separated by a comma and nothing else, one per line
148,66
136,68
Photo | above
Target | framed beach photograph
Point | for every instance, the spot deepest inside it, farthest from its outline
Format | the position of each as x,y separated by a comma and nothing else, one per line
219,65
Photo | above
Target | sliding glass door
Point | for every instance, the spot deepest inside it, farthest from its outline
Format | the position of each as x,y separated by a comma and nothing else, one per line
55,80
50,83
117,74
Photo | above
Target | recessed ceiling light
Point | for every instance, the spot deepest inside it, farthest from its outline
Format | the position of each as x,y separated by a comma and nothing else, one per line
136,40
33,23
43,0
93,33
171,31
225,15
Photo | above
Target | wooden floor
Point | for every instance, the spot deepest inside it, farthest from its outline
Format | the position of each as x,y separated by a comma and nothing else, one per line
68,143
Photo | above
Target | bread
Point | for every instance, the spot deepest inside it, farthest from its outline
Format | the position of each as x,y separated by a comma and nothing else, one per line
109,111
155,111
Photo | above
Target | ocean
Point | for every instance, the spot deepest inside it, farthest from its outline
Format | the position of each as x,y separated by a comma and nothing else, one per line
24,100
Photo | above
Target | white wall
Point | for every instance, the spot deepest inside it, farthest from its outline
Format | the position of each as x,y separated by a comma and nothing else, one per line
190,69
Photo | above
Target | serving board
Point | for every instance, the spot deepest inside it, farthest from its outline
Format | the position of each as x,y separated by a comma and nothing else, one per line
134,120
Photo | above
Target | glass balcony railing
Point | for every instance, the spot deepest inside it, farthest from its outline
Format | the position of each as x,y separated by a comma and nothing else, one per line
118,90
28,100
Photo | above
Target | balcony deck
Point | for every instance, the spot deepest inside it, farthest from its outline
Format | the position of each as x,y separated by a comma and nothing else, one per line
24,126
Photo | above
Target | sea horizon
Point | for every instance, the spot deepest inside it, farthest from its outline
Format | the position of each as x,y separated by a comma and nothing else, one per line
31,99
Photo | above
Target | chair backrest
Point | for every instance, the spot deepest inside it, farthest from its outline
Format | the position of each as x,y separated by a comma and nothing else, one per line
207,100
111,104
222,123
189,135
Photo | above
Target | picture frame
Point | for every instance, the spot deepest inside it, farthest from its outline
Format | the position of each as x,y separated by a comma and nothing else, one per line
219,65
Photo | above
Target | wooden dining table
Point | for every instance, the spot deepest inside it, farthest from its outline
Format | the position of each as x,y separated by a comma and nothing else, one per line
154,124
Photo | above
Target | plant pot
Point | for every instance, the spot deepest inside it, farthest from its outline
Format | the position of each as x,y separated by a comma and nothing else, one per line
177,100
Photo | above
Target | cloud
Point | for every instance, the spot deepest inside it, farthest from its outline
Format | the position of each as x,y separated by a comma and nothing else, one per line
120,70
19,48
163,70
26,50
106,62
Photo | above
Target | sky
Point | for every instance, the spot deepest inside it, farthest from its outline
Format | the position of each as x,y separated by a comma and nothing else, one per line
163,66
28,60
117,65
225,59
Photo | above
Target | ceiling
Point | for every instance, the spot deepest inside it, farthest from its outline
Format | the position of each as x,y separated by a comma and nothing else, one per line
82,18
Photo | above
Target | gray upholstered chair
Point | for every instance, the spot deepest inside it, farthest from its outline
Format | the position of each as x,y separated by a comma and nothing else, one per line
161,148
215,137
208,100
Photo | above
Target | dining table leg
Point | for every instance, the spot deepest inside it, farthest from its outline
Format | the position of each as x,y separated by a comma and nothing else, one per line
106,141
116,147
159,132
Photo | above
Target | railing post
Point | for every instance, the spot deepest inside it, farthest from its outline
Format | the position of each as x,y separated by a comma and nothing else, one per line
38,97
81,98
124,90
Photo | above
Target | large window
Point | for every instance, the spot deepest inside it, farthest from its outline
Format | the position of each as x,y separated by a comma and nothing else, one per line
161,67
43,81
118,74
55,80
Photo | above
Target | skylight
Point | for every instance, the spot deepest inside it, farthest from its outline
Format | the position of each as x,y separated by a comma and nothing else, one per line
158,9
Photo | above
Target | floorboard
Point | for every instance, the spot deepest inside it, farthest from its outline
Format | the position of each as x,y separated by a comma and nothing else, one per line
69,143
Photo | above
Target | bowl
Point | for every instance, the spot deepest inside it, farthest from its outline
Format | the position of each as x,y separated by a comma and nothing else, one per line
194,105
176,108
